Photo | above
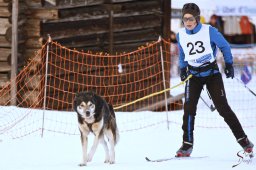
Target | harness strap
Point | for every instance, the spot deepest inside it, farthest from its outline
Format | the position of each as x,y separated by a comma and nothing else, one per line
211,66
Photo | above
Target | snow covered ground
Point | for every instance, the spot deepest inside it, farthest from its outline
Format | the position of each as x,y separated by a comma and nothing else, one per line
63,152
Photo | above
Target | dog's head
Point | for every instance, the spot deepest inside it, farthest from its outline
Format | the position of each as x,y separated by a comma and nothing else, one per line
85,104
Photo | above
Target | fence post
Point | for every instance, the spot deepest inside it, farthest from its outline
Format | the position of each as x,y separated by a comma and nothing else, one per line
45,83
165,95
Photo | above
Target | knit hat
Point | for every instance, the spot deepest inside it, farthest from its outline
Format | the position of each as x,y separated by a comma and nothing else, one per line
191,8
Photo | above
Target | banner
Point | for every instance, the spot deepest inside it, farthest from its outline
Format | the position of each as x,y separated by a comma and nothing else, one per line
246,75
235,10
221,7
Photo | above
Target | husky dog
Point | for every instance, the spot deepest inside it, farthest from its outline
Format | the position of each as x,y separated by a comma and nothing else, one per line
97,116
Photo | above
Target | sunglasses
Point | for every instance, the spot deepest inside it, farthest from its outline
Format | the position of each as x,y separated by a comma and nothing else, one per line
190,19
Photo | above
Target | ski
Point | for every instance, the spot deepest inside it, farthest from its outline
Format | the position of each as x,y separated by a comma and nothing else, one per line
244,157
174,158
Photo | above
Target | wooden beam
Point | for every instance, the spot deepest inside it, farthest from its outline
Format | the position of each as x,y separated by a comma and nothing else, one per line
5,67
52,2
15,7
4,99
36,42
21,35
33,3
101,11
33,28
4,42
130,40
5,24
5,53
62,4
3,79
3,3
4,12
44,14
111,32
66,30
166,19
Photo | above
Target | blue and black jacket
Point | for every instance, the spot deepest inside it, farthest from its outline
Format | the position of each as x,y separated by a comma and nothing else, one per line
216,40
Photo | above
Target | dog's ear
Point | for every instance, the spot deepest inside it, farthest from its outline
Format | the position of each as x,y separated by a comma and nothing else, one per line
77,94
92,93
75,102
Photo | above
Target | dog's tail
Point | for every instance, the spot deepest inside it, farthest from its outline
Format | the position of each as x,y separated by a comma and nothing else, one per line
114,127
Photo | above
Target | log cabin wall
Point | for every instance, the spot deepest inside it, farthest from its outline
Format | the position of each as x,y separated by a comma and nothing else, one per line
109,26
6,39
104,25
5,42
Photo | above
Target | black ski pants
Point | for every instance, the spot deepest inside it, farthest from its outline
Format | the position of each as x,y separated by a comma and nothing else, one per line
215,86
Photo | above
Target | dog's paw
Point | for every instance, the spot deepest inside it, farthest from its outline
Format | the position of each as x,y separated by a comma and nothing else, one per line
107,159
111,162
112,159
82,164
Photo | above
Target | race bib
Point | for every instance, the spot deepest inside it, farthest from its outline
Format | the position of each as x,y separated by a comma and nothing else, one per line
197,47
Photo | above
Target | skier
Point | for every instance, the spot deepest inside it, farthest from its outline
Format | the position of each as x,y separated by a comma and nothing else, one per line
198,44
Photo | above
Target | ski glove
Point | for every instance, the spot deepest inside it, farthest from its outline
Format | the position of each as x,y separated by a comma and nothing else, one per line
229,70
183,74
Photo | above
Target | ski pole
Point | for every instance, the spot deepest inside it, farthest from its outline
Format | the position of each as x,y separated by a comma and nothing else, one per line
245,86
212,108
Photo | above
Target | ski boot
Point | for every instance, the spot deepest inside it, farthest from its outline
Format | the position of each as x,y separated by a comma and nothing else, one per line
247,145
185,150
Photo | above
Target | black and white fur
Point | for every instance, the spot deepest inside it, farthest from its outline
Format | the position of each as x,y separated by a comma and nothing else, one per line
97,116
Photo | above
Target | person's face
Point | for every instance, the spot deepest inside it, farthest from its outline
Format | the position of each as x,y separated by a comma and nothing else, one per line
189,21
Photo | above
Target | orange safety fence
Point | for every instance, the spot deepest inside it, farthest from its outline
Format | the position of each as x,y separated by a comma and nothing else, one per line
120,79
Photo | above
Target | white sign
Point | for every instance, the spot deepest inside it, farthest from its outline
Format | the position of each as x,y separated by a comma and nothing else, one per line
229,10
222,7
